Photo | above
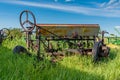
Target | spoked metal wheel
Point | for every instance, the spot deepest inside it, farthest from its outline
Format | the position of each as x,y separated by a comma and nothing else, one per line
28,22
96,51
5,33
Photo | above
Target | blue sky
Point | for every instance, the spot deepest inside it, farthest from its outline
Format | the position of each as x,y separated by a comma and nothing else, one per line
106,13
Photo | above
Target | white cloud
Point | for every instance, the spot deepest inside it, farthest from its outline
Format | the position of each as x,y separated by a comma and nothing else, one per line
101,5
72,9
65,0
56,0
68,0
117,27
112,4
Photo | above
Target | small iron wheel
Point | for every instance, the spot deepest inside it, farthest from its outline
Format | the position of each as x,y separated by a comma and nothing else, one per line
27,25
96,51
5,33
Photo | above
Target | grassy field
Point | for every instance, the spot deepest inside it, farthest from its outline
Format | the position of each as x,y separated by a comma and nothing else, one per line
22,67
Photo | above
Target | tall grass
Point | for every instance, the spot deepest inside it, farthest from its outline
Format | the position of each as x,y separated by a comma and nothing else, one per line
22,67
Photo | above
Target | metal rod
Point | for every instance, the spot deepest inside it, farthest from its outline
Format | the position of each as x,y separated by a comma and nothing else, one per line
38,42
27,41
44,44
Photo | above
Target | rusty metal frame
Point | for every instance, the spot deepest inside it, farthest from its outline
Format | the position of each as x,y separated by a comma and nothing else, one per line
57,37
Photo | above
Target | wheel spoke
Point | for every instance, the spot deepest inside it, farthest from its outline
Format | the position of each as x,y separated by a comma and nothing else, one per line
24,22
32,24
26,15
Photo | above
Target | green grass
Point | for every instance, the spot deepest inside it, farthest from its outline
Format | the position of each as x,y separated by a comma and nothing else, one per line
22,67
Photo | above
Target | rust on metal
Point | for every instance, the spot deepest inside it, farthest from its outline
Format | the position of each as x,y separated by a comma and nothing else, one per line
70,29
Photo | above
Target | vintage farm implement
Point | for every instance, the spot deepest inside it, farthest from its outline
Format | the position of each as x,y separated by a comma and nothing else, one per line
3,34
79,38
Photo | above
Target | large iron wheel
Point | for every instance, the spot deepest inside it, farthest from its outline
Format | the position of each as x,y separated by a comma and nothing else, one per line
96,51
29,23
5,33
